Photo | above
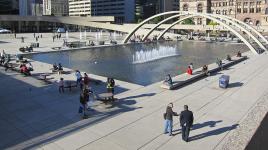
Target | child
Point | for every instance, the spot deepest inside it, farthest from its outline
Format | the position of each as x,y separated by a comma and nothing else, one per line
61,85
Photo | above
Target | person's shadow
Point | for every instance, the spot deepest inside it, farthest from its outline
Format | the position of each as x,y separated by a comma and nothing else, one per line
213,132
201,125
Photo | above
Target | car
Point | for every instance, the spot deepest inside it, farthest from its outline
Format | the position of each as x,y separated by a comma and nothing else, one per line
4,30
61,30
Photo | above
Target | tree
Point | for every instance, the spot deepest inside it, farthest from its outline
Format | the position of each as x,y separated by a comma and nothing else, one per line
188,21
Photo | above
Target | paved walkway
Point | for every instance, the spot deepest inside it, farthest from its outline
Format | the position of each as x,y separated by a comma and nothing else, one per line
35,115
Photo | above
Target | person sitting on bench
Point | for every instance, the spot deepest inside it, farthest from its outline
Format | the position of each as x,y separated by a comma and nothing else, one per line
219,63
24,70
239,54
29,66
228,58
55,67
205,70
189,71
60,68
168,80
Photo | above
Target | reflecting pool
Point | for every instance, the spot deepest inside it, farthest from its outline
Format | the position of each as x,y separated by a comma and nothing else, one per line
142,64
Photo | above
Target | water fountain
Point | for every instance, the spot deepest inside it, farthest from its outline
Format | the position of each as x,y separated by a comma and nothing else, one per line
144,56
67,35
85,34
81,35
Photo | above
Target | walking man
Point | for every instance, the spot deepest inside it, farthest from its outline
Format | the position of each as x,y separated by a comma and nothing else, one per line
186,121
168,116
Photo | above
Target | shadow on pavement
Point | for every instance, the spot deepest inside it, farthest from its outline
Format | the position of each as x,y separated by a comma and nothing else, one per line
213,132
32,114
235,84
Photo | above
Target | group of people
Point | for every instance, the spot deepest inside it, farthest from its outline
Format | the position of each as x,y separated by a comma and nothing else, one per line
26,68
87,94
58,68
186,121
58,36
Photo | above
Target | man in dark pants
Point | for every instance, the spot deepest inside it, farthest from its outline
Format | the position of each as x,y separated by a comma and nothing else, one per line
186,121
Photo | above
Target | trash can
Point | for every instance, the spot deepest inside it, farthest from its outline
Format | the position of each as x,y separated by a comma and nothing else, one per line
224,81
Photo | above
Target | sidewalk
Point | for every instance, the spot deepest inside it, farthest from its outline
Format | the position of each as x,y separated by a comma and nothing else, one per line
217,112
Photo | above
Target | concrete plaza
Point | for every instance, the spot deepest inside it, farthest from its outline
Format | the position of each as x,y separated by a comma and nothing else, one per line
35,116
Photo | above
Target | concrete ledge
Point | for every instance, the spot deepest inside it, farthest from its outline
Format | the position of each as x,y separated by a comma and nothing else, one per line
184,79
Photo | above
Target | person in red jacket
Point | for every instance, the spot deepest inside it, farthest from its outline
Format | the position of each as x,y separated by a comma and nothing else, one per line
189,70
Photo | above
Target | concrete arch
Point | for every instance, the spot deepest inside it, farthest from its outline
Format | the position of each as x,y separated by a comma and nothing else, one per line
249,27
240,27
144,22
215,16
208,16
172,25
218,21
160,23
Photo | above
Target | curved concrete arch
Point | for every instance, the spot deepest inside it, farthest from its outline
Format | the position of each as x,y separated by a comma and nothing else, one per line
249,27
215,16
221,23
145,21
172,25
242,28
160,23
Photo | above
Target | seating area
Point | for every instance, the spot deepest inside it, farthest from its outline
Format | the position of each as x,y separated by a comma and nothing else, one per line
184,79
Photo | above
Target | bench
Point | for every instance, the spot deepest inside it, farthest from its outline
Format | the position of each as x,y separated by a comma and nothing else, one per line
184,79
56,48
105,97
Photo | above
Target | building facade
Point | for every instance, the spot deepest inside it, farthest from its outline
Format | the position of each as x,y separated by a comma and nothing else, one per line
253,12
8,7
147,8
56,7
122,10
200,6
249,11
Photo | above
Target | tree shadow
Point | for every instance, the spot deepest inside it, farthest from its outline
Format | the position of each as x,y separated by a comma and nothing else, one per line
235,84
213,132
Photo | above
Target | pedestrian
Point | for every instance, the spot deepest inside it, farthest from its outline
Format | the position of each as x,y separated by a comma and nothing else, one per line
86,81
53,38
36,39
78,79
15,35
61,85
186,121
41,36
110,85
83,102
22,39
34,35
168,116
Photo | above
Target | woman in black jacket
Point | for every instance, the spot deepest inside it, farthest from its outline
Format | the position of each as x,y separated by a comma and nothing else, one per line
169,119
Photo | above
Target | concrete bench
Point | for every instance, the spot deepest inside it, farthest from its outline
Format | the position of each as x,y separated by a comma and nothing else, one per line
184,79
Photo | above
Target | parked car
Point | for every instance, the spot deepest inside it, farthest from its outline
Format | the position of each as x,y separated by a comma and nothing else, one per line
61,30
4,30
